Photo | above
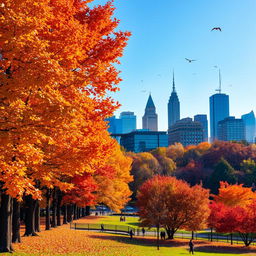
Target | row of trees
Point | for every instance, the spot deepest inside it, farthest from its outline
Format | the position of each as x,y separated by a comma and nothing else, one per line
57,63
172,204
205,163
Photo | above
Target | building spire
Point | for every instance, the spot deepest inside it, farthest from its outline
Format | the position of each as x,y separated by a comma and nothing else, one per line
219,90
219,81
173,82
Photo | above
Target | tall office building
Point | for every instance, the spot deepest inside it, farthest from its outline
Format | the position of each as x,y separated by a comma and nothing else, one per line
249,123
231,129
219,110
186,131
149,120
128,120
173,106
124,124
204,122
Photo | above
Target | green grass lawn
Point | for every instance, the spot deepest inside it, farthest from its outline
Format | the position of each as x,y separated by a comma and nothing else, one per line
133,222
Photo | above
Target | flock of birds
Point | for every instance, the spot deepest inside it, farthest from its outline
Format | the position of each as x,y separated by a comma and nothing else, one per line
192,60
215,28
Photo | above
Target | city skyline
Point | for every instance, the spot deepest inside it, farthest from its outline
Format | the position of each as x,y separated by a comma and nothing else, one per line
163,35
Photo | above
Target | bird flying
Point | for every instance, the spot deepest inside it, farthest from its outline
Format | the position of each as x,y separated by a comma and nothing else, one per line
216,28
189,60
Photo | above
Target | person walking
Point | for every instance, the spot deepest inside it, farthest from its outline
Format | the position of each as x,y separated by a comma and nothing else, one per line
191,247
143,231
131,234
102,227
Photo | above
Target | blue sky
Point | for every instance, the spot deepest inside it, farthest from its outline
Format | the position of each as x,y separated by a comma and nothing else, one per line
165,32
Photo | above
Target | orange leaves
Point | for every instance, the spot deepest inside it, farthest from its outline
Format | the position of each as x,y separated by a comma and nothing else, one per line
113,179
234,195
56,67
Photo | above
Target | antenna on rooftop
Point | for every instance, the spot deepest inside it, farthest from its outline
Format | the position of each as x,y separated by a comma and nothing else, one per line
219,89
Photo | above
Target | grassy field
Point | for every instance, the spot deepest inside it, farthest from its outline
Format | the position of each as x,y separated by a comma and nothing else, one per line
63,241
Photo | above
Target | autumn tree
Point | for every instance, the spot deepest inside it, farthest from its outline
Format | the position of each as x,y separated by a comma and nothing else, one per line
112,180
166,163
57,63
234,210
228,219
178,204
234,195
175,151
144,167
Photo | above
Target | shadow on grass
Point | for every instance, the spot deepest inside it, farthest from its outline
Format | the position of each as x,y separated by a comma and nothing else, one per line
225,249
133,223
200,246
140,241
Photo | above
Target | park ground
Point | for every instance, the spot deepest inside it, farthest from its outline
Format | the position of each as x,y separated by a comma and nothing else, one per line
66,241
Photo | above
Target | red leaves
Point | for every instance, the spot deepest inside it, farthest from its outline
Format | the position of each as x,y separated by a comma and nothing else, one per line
229,215
173,203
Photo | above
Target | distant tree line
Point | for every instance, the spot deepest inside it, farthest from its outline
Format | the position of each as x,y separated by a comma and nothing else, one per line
205,164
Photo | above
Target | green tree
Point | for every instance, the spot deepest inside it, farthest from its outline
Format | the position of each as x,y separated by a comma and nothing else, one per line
223,171
249,168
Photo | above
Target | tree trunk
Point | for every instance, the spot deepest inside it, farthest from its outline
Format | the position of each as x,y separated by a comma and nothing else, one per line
231,238
54,209
64,209
22,214
59,198
37,217
30,216
78,213
47,208
69,212
16,222
157,237
83,212
87,210
6,223
192,235
211,234
170,232
75,212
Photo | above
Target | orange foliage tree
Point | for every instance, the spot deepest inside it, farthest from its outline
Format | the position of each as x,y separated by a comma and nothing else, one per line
56,65
173,204
112,180
234,195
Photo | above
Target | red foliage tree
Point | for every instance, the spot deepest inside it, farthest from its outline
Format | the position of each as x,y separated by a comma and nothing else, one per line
173,204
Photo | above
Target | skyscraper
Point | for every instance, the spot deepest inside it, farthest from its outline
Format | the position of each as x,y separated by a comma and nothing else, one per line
115,125
149,120
249,123
128,121
219,110
124,124
173,106
204,122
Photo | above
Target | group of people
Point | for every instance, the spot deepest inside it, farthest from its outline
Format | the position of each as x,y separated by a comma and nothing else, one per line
162,235
122,218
